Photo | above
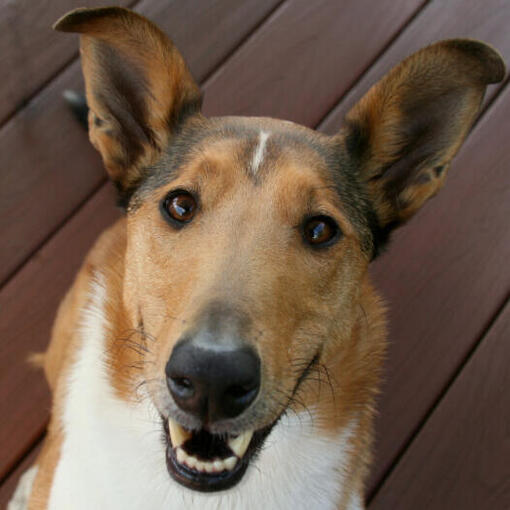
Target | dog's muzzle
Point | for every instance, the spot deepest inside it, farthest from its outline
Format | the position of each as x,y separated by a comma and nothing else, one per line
211,382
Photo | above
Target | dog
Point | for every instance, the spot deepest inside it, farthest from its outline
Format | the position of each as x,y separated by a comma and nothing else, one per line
221,346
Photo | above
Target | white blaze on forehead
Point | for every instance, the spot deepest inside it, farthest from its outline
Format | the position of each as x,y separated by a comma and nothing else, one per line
258,155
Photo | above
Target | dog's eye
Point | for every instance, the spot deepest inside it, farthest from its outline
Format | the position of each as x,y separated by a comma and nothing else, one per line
320,231
180,206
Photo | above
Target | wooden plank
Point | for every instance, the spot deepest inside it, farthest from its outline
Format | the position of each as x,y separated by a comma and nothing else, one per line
208,32
487,21
28,304
48,169
305,57
444,276
30,52
461,458
45,157
8,486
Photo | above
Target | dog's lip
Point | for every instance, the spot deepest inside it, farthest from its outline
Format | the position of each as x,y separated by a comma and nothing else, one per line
223,472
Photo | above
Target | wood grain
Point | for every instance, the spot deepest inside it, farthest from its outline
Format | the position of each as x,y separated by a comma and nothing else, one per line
305,57
48,166
487,21
461,458
30,52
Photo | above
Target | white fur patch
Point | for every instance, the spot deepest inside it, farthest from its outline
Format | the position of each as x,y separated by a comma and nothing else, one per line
21,496
113,453
355,503
258,155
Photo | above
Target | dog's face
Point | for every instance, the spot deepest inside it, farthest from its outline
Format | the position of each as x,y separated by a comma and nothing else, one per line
248,238
237,260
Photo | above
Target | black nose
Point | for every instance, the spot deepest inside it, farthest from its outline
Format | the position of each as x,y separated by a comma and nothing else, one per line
213,384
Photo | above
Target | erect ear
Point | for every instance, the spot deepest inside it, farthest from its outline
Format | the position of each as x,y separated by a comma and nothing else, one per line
405,131
138,88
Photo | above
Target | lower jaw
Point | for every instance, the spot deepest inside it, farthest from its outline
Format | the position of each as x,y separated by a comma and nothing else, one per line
204,482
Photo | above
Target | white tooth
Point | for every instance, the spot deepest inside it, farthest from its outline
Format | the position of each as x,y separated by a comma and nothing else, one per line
178,434
191,462
230,463
239,444
181,455
208,466
199,466
219,466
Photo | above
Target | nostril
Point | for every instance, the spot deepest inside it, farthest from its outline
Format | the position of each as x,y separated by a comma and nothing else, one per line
239,392
239,397
181,387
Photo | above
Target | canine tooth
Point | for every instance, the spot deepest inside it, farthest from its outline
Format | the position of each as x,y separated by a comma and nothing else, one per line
239,444
181,455
178,434
230,463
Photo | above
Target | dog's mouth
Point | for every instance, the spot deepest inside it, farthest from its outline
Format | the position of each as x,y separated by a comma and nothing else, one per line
209,462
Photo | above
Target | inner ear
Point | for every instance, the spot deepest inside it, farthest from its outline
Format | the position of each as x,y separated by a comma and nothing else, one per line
405,131
138,87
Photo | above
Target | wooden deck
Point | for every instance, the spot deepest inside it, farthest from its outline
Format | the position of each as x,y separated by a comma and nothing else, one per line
443,436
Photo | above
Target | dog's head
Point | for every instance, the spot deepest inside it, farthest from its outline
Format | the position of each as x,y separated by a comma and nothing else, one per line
248,239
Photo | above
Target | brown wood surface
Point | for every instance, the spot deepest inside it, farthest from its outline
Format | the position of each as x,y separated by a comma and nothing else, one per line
30,52
440,19
48,166
305,57
461,458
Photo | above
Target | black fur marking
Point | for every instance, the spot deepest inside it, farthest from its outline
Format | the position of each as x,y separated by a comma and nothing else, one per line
356,141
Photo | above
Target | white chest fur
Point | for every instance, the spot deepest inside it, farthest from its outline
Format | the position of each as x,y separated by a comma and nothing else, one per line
113,455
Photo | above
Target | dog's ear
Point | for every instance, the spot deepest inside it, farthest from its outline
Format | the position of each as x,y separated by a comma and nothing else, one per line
404,132
138,88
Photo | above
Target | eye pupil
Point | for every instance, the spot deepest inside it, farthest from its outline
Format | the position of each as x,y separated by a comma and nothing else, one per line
319,230
181,206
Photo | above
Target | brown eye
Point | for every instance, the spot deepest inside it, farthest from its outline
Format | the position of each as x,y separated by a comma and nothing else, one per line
180,207
320,231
